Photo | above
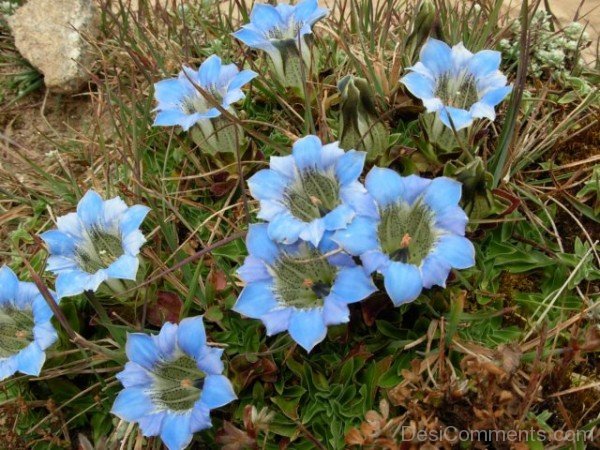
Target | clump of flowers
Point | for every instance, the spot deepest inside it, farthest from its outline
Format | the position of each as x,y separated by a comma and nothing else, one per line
311,191
282,32
299,288
99,243
25,327
189,101
553,52
172,381
457,85
417,237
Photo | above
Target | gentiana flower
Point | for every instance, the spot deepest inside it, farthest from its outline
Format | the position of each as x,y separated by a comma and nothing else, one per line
25,327
281,31
98,243
311,191
456,84
172,380
299,288
181,101
418,236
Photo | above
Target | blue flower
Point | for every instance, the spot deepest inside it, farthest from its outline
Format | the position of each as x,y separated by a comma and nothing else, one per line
298,287
100,242
458,85
25,328
181,103
418,236
313,190
281,32
172,380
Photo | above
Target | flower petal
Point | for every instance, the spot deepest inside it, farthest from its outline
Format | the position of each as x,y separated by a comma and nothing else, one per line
31,359
254,39
171,118
335,311
374,260
457,251
74,282
418,85
402,282
8,367
349,166
456,118
452,219
9,284
414,186
352,285
151,424
134,375
256,299
253,269
133,218
140,348
359,237
209,71
176,431
307,327
307,152
442,193
385,185
200,418
45,335
260,244
434,270
330,153
89,208
284,165
495,96
338,218
265,17
313,232
277,320
285,228
191,336
112,210
59,243
131,404
267,184
484,62
217,391
209,360
356,196
124,268
436,56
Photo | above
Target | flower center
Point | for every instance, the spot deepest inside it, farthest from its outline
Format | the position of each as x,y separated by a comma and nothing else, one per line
100,251
406,233
303,280
457,90
16,330
177,384
313,195
196,103
290,31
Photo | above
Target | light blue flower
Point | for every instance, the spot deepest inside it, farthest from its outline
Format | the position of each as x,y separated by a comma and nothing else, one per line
181,103
25,328
313,190
281,32
418,236
458,85
100,242
298,287
172,380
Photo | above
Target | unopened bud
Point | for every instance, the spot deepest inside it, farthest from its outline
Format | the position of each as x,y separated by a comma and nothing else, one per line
422,26
360,125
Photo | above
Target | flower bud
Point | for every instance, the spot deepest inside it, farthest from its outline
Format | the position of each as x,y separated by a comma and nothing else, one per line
218,135
360,126
421,29
477,196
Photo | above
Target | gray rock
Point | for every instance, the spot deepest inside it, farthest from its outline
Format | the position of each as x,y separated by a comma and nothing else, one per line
52,35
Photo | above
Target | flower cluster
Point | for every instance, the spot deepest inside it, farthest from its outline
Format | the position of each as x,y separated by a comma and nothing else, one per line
300,275
172,381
